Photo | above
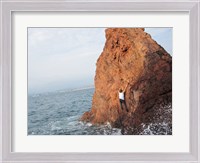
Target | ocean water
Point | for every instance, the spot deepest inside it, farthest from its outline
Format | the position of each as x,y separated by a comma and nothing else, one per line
58,113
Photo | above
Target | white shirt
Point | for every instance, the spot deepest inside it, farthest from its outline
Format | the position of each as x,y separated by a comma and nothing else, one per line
121,95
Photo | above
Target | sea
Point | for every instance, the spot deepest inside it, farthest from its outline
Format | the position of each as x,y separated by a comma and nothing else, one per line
58,113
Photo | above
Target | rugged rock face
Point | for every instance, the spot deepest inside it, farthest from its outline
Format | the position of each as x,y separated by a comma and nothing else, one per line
131,55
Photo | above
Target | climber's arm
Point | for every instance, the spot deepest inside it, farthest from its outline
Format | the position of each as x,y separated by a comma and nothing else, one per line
126,86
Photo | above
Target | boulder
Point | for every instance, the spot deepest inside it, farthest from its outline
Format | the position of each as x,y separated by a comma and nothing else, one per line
130,56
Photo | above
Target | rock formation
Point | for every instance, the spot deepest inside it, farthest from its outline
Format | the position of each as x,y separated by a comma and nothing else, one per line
131,55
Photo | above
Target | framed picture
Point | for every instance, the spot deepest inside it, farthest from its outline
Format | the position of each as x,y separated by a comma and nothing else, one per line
99,81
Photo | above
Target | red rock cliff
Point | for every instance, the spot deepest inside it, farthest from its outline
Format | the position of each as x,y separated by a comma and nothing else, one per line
131,55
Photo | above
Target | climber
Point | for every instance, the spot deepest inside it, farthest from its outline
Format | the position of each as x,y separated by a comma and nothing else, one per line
121,97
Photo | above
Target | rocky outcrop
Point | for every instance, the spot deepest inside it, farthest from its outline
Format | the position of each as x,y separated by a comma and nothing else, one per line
131,56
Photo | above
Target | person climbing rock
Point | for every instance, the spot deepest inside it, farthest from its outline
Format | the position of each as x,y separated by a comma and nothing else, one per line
122,97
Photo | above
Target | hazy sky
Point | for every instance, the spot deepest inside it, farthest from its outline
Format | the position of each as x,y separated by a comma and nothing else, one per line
65,58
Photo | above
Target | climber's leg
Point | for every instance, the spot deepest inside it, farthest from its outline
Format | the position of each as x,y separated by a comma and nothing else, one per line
125,105
120,101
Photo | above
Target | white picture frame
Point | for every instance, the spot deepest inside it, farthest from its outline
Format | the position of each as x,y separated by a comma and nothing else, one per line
6,9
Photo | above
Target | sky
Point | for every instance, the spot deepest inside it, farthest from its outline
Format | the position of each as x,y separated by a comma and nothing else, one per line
65,58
